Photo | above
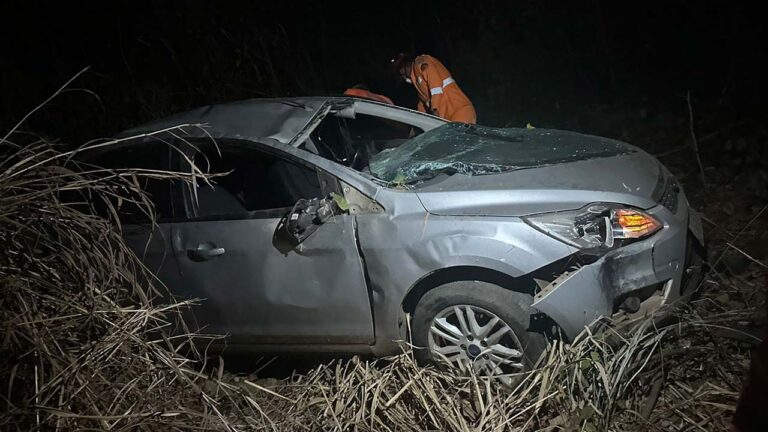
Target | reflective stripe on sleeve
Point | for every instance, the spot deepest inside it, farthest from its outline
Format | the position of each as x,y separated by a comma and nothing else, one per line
436,91
447,81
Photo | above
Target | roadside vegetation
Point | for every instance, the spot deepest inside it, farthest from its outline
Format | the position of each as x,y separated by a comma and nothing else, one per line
90,340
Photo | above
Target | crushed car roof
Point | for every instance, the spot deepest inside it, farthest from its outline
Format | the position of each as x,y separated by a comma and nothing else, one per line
280,119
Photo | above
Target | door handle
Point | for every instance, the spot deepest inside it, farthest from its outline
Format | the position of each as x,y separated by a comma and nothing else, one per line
205,252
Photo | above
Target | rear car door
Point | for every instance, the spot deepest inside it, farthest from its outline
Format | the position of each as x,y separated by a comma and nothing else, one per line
149,239
255,290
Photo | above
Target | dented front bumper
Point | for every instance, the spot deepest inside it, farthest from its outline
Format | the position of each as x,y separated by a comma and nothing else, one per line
654,267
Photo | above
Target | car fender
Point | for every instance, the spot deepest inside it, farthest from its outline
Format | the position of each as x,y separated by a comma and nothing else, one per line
402,250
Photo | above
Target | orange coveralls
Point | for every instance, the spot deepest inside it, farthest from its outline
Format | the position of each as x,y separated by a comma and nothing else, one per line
365,94
438,92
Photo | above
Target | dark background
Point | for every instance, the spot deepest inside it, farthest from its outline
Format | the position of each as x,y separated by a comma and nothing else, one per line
596,66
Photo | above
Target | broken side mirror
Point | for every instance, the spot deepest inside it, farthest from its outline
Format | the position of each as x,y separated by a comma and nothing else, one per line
306,216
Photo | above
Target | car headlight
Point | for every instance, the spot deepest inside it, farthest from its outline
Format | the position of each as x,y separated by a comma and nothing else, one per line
597,226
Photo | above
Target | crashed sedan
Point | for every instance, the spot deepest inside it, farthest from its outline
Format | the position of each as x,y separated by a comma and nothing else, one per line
349,226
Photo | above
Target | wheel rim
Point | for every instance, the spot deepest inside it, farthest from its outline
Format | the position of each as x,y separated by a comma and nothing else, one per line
466,336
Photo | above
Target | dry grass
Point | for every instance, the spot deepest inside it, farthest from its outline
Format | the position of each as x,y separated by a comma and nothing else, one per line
600,382
88,343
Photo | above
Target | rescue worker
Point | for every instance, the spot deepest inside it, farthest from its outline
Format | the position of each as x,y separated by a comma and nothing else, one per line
361,91
438,92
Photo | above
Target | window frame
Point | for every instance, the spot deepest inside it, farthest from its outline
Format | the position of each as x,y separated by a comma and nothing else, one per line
338,121
90,160
328,183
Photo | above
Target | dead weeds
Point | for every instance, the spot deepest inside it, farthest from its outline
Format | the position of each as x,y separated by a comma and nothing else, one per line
88,344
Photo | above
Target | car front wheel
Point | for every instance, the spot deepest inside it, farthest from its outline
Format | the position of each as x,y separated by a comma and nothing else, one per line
477,325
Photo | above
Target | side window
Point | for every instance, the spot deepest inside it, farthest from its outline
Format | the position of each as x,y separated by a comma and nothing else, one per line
148,155
352,142
253,181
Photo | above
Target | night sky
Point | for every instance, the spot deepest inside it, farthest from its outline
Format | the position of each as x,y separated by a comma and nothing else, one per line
547,62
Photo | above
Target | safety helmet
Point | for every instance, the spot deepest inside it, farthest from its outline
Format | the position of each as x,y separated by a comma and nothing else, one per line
397,62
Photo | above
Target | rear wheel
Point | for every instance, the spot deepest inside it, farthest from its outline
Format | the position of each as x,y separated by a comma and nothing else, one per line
477,325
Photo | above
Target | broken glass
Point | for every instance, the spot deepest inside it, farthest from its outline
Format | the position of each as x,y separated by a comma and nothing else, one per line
457,148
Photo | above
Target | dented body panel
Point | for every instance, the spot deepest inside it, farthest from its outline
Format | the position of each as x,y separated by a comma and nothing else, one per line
256,119
578,298
406,244
257,293
344,289
549,188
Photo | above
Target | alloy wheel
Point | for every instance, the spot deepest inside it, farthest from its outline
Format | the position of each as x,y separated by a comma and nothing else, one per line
466,336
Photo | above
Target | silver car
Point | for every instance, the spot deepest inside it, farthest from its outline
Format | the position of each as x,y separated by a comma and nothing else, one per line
345,225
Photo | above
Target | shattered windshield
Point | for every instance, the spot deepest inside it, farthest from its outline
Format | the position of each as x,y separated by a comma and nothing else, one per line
457,148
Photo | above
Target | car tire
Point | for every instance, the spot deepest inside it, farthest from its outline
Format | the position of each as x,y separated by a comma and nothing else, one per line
510,307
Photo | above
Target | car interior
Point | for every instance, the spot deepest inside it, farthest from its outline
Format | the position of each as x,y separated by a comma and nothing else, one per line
153,155
255,181
258,181
352,142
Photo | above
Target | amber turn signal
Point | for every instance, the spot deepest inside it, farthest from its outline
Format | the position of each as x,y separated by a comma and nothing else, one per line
635,224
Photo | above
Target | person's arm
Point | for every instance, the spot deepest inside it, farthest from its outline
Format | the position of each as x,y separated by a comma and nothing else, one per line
431,71
420,107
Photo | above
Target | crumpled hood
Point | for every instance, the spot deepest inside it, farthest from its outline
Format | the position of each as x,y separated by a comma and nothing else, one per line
631,177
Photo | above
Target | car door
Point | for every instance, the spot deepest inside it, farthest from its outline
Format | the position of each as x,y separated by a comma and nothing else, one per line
149,239
254,289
